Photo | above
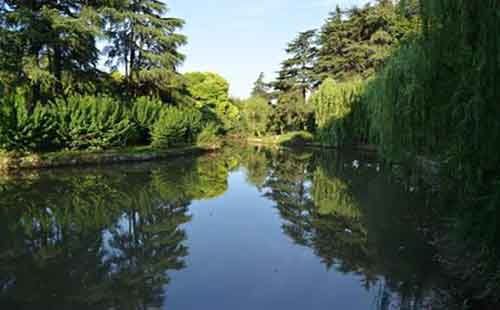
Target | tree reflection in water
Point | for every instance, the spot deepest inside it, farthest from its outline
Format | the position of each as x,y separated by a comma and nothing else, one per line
109,238
356,221
99,239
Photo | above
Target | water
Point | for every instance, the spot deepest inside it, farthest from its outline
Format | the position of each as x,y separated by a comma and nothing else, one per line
248,228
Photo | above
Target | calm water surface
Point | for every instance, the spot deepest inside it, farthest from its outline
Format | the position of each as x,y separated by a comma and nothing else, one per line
244,229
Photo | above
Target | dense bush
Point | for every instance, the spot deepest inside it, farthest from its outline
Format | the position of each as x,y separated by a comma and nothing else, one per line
176,126
91,123
25,130
209,135
144,113
338,112
211,94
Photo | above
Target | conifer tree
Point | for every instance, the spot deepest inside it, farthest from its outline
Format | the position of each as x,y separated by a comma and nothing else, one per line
261,88
297,72
145,42
356,42
49,39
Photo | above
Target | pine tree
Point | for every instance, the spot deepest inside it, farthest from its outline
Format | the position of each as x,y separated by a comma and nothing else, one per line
261,88
297,72
356,42
51,39
146,43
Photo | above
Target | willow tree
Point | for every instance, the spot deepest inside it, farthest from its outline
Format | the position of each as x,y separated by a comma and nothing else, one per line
145,43
438,97
338,113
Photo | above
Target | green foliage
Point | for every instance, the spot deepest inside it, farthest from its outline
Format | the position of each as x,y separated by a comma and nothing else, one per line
336,107
86,122
332,197
297,71
351,46
398,103
25,130
295,138
355,43
261,88
144,114
209,135
438,97
176,126
292,113
144,40
48,40
255,115
211,93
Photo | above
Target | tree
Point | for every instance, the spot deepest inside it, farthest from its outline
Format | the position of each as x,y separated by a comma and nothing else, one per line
48,40
297,72
261,88
355,43
292,112
256,112
146,43
211,94
335,104
295,79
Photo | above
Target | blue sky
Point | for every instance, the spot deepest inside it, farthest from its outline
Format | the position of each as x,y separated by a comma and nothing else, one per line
239,39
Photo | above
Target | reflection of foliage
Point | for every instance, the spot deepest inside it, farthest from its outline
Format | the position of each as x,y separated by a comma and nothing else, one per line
145,245
332,196
99,239
351,218
201,178
256,165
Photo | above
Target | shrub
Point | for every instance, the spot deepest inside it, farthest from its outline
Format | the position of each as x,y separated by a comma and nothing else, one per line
176,126
144,114
209,135
297,138
22,130
91,123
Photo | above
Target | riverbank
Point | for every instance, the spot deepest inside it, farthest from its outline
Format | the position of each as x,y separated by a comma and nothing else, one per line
304,139
11,162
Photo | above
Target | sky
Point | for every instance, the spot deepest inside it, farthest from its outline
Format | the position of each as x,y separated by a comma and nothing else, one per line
239,39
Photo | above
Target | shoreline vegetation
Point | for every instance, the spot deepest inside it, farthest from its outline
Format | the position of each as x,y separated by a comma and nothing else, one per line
305,139
417,79
13,163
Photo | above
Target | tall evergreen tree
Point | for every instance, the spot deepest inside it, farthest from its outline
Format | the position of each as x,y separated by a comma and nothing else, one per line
297,72
50,39
261,88
356,42
145,42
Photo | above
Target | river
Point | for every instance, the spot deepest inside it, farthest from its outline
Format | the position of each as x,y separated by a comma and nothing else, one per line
245,228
